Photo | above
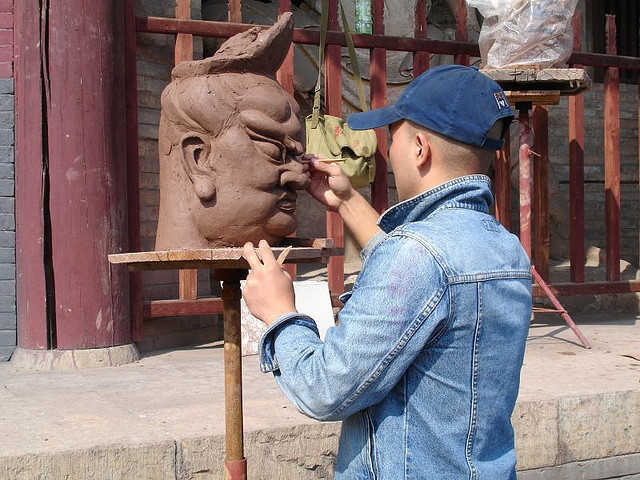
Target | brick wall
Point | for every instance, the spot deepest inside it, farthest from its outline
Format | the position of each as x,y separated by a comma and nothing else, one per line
7,218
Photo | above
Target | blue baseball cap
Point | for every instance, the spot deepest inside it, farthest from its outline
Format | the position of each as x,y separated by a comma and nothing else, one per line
453,100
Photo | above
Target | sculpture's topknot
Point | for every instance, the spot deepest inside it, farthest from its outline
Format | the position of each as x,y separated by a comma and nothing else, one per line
258,50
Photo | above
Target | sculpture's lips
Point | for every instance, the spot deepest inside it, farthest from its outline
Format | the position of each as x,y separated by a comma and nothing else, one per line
287,203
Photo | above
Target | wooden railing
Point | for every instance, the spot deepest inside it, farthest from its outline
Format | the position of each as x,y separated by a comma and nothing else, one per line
421,47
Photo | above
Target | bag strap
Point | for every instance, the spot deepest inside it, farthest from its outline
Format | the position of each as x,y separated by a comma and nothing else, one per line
324,21
354,61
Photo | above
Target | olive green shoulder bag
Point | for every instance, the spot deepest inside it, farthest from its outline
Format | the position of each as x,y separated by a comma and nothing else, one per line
330,136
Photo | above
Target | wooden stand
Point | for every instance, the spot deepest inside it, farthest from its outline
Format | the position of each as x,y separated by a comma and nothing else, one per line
230,268
525,88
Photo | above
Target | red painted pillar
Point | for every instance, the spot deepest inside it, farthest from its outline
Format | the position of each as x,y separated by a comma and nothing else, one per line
378,94
29,178
75,90
612,156
577,252
333,102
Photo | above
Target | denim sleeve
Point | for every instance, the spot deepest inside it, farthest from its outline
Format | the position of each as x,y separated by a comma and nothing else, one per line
394,310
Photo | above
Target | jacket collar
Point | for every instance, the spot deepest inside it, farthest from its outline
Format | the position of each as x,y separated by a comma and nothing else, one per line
471,192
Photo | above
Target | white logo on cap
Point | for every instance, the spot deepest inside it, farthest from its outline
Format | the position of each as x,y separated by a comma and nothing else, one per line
500,100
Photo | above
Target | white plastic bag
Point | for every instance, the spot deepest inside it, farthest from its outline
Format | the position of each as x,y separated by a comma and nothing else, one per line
525,33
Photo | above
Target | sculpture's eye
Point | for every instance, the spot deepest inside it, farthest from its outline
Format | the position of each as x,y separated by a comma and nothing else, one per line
274,150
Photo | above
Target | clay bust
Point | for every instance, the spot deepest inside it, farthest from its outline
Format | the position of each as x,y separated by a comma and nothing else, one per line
228,141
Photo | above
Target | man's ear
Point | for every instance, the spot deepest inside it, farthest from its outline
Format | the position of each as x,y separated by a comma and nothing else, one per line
194,152
423,150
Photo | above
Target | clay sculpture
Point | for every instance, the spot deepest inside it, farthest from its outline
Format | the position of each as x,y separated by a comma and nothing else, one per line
229,141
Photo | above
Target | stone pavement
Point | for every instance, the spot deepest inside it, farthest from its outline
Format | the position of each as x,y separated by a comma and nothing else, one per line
577,417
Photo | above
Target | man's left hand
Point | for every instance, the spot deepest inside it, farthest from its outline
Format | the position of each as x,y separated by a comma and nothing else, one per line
268,291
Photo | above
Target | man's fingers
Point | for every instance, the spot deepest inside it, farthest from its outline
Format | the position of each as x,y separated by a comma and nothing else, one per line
331,169
267,255
250,256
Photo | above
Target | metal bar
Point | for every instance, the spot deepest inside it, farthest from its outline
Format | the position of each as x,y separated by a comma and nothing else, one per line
420,58
378,93
133,169
563,313
502,183
461,31
235,463
524,158
577,253
612,158
541,190
333,103
589,288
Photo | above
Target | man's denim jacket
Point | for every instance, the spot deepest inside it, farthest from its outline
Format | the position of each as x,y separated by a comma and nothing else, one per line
424,365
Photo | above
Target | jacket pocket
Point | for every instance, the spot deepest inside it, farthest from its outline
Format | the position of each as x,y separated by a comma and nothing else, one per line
372,448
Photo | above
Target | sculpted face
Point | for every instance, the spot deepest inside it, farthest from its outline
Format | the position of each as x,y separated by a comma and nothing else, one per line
256,173
228,141
240,159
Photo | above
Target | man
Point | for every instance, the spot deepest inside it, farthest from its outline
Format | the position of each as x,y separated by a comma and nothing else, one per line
228,143
423,367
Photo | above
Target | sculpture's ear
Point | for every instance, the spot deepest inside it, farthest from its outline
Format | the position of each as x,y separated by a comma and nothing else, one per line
194,151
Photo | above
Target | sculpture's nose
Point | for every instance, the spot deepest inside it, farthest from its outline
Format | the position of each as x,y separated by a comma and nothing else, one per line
292,177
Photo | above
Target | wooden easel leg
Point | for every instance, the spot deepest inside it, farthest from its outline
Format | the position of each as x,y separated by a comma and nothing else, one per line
525,214
235,463
559,308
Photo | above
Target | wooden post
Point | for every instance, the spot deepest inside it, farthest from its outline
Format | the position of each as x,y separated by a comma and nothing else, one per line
502,183
461,31
83,60
284,76
30,173
184,41
541,190
235,11
285,72
612,157
333,100
576,174
524,158
133,174
421,57
183,52
235,463
378,95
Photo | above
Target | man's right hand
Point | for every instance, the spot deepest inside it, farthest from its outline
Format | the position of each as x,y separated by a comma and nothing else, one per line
329,185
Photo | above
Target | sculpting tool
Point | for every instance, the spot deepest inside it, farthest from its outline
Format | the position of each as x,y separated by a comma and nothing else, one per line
283,255
326,160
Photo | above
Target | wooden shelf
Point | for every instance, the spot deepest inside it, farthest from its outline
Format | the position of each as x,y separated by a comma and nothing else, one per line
317,250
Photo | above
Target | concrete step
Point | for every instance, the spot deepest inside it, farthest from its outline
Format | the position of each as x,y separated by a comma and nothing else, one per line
162,417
